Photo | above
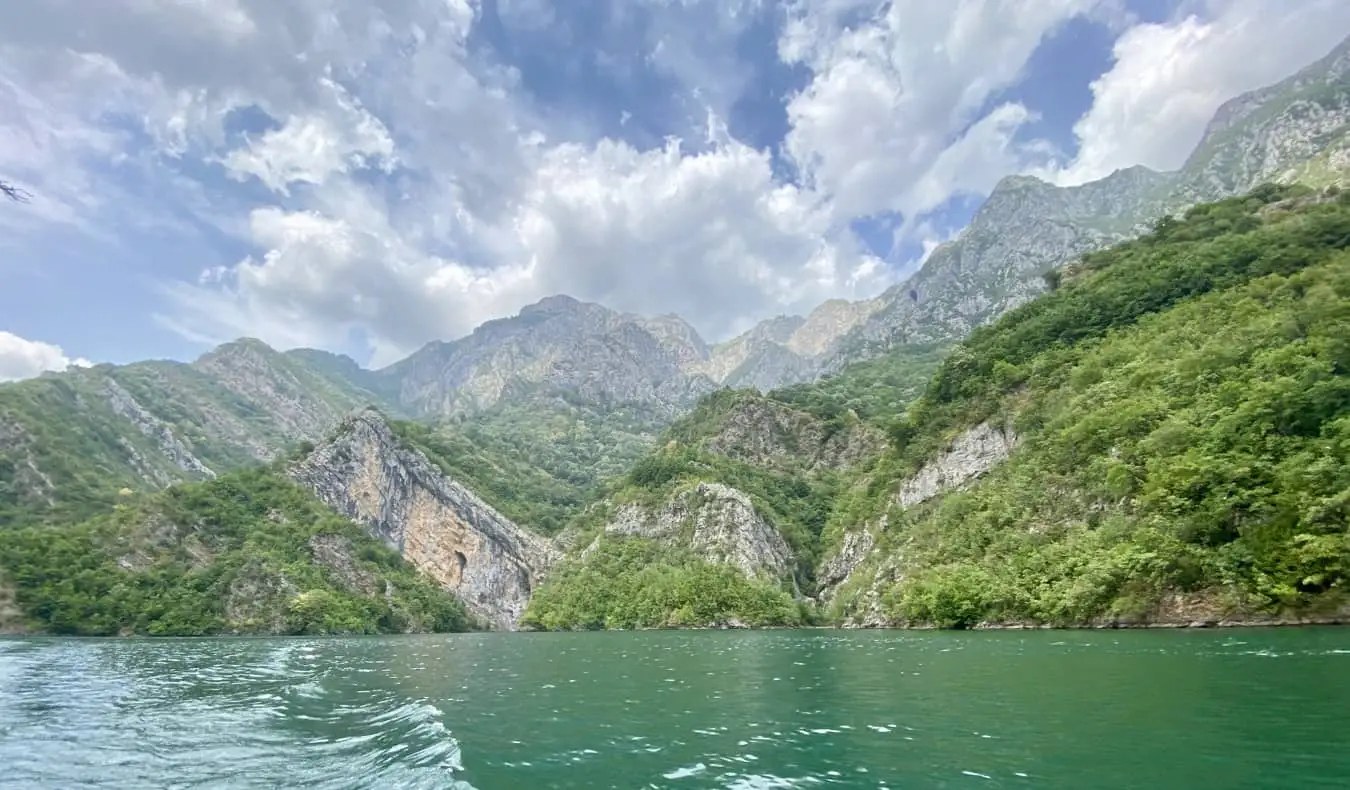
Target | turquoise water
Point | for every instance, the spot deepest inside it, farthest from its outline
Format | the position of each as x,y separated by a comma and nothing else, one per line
1161,710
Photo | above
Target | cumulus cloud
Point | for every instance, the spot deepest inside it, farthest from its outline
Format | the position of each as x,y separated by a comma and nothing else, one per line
891,118
1168,79
310,148
24,359
702,234
374,171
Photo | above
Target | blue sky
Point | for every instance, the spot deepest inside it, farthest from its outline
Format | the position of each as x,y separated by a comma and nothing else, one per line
368,175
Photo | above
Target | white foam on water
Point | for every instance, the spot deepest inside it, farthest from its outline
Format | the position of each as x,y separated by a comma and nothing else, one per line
686,772
973,773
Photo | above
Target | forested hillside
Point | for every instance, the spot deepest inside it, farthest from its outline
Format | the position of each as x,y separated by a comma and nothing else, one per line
1175,419
1181,412
248,552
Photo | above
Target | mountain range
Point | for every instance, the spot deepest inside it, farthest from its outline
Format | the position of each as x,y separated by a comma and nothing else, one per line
557,419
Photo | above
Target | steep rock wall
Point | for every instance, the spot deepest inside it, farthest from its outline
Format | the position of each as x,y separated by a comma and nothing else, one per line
718,522
971,454
438,525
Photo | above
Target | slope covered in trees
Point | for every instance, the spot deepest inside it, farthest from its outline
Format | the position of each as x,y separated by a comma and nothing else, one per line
1183,411
249,552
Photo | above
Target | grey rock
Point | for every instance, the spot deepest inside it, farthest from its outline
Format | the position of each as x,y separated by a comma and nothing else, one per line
717,522
971,454
170,446
441,527
765,432
1298,129
559,343
335,552
855,547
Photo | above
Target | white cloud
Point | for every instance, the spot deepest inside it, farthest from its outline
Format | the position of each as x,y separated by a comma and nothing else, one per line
310,148
409,188
891,120
1169,79
710,236
24,359
706,234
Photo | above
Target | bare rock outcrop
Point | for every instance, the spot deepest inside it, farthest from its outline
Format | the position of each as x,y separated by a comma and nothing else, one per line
441,527
971,454
717,522
765,432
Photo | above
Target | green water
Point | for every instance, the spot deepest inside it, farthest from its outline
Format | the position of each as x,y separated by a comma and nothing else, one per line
1157,710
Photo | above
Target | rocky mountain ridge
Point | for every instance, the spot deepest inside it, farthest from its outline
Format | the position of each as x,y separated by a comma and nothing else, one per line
1158,437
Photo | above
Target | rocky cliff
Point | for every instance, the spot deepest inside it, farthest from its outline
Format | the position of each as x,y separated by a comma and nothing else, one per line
754,429
442,528
970,454
558,343
1295,130
76,438
717,522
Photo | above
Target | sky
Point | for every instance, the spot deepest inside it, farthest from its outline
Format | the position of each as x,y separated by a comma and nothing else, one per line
365,176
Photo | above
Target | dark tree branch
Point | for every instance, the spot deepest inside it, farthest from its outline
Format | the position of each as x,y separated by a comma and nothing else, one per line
13,192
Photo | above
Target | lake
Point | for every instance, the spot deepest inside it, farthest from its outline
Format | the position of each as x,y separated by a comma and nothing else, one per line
1161,710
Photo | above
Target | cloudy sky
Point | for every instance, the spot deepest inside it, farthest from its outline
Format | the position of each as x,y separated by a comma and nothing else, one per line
368,175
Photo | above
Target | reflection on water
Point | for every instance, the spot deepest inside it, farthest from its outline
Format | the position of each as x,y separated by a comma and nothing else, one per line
1250,709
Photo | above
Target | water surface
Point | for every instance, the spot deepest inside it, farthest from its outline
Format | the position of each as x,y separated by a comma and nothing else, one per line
1162,710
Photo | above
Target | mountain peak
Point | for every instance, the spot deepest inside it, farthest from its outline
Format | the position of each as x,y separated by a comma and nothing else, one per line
244,346
556,303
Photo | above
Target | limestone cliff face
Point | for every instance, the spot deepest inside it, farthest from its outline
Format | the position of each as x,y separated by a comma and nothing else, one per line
558,343
161,433
765,432
718,522
971,454
1295,130
441,527
837,567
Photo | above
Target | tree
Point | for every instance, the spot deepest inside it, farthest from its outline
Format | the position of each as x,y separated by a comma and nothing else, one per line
13,192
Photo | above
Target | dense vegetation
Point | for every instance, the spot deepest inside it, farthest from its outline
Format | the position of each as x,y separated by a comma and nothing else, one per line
1184,408
247,553
538,460
877,391
70,442
627,582
1182,403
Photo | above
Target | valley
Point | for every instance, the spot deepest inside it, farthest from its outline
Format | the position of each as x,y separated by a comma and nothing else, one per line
1122,403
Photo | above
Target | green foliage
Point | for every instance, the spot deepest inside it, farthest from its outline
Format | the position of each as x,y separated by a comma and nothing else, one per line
235,555
629,582
1184,408
877,391
538,460
797,505
70,442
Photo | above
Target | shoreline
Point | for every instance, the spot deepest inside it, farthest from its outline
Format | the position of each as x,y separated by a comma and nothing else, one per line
1282,623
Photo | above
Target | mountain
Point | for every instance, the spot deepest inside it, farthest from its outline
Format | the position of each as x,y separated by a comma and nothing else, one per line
248,552
1297,130
566,394
446,531
1161,439
70,441
830,472
556,344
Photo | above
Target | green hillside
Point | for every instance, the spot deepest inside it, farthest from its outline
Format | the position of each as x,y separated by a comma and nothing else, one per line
246,553
1183,408
70,442
1182,414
